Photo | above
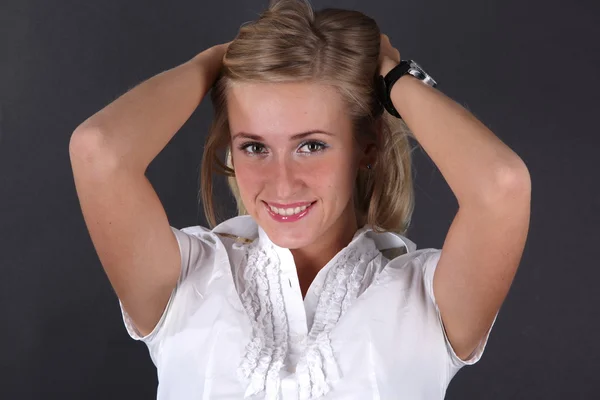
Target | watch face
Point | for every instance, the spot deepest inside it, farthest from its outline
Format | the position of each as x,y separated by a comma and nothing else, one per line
418,72
414,64
416,67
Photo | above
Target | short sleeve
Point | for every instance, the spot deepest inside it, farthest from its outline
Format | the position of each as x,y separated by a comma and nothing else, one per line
196,250
430,261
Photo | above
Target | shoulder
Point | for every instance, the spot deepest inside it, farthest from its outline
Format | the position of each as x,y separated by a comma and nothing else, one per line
401,253
200,246
409,279
420,263
402,264
421,260
241,229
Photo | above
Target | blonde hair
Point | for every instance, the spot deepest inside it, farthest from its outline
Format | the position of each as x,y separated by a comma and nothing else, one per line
291,42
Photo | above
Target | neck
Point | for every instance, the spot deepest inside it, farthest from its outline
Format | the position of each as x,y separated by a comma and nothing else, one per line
310,259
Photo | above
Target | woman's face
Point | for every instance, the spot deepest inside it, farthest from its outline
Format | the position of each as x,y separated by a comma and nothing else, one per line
295,159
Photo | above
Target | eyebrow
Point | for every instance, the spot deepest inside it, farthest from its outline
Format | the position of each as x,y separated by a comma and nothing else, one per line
294,137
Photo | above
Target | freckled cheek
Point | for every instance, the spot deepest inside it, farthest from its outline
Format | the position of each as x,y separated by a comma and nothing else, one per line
250,180
329,178
329,181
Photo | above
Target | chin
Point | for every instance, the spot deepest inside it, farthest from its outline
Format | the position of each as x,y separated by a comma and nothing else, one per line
291,235
289,238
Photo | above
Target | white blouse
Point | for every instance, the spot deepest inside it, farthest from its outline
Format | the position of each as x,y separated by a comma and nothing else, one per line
236,325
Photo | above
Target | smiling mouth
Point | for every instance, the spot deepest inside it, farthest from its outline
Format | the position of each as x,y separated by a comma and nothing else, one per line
289,211
289,214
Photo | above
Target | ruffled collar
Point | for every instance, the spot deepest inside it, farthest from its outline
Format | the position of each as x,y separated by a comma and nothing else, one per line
262,297
244,226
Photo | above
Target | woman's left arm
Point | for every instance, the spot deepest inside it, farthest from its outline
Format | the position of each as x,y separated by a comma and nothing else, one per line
485,241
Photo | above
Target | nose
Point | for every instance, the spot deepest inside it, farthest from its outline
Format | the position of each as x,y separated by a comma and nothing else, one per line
284,178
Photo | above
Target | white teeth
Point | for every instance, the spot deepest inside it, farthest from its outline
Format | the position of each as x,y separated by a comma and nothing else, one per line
288,211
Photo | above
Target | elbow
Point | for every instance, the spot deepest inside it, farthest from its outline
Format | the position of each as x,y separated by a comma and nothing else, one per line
87,150
509,187
512,184
81,139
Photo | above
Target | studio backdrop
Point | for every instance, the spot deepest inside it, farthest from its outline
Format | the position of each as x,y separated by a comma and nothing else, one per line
527,70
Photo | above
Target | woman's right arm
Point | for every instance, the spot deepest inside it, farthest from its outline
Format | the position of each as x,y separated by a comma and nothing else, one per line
110,153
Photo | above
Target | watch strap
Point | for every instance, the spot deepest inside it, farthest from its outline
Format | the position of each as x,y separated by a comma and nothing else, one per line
384,83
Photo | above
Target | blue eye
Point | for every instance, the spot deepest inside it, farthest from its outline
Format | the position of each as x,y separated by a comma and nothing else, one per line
312,146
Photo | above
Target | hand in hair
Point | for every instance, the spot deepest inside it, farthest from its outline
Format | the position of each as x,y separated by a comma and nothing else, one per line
221,49
389,56
212,59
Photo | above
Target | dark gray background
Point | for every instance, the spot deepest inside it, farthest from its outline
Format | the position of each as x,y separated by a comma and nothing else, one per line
528,70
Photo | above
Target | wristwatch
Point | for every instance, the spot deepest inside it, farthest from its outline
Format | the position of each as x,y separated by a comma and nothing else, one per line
384,84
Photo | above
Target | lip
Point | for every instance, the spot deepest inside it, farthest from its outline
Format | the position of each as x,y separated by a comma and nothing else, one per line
289,218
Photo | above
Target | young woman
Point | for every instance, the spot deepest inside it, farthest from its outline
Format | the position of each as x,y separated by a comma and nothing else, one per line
313,291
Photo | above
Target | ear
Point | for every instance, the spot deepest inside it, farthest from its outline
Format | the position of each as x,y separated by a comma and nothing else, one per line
369,155
369,149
